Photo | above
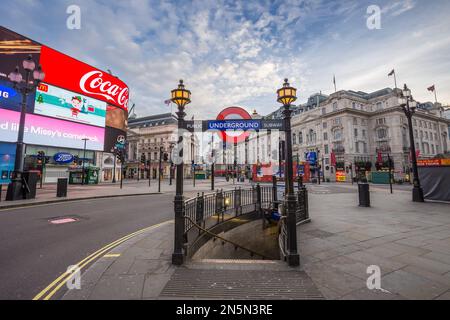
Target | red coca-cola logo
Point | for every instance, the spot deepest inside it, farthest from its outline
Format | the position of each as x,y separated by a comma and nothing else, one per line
93,83
73,75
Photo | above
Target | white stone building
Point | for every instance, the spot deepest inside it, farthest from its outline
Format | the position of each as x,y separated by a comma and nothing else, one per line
360,127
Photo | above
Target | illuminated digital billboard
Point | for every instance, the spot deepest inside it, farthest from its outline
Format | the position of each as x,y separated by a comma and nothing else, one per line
46,131
66,105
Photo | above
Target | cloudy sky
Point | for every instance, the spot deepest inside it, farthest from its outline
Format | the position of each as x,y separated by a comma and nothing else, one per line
239,52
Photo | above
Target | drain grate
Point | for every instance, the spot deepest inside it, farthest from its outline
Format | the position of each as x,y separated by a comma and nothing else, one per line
240,284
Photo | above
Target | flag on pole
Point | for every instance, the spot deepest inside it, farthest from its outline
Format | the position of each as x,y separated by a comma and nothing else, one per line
392,73
432,88
168,102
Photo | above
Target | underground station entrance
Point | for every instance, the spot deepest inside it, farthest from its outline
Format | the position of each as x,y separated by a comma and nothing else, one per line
258,222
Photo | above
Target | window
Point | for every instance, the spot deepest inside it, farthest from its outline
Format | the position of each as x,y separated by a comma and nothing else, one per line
324,111
325,136
355,121
335,106
420,124
353,105
421,134
415,122
294,138
336,121
326,149
365,147
337,134
364,122
325,125
357,147
431,136
426,135
300,137
381,121
432,149
416,134
382,133
356,133
379,105
364,133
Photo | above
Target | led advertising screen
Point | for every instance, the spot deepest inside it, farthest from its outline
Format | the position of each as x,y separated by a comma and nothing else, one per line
66,105
7,158
114,139
46,131
83,78
116,118
14,48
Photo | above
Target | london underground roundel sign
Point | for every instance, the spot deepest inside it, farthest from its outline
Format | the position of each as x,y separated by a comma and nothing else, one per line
234,135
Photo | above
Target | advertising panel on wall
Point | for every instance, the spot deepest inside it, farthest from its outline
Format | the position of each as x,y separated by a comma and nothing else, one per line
114,139
76,101
83,78
46,131
116,118
7,158
66,105
14,48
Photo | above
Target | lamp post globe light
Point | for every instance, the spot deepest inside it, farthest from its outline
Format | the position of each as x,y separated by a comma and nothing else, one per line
25,87
409,107
181,97
287,95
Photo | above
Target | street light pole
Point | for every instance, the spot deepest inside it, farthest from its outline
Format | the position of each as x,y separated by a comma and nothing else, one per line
409,107
159,169
84,159
181,97
16,187
318,167
286,96
213,169
114,167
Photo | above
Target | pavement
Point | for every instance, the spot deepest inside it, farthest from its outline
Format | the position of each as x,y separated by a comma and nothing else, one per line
408,242
47,194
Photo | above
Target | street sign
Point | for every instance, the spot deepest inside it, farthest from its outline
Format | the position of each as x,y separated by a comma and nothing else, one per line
234,135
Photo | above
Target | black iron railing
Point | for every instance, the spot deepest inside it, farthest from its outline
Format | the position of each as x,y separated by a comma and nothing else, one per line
214,208
207,211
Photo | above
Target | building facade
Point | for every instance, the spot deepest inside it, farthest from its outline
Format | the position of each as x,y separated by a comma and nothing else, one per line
356,132
153,137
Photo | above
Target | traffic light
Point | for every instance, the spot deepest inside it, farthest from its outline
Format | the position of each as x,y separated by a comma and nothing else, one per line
143,158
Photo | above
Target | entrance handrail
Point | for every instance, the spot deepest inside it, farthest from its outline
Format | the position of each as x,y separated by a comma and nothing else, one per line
216,236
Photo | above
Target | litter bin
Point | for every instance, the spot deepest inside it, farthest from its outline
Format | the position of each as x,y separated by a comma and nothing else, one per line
364,195
31,178
61,188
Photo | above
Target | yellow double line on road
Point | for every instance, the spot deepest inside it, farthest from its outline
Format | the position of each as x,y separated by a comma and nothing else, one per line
53,287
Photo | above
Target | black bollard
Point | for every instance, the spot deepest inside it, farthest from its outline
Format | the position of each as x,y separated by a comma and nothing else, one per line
364,195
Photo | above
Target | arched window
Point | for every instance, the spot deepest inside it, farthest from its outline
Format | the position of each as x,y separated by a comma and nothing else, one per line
294,138
381,133
300,137
337,134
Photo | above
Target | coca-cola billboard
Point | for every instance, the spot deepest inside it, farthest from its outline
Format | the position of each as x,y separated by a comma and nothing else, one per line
71,74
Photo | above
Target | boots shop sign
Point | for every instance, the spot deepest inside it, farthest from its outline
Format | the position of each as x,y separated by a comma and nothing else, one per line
73,75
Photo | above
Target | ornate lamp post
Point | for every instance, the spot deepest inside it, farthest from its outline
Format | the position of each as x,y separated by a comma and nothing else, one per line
409,107
181,97
287,95
15,191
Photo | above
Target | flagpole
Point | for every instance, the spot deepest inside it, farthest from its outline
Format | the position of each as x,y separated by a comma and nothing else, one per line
435,95
395,80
